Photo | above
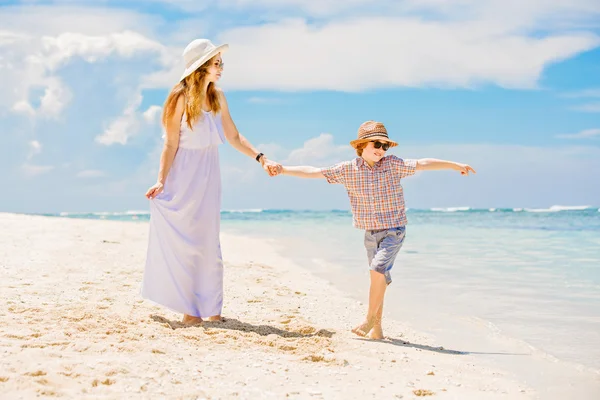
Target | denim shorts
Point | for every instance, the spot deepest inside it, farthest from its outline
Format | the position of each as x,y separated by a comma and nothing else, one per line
382,247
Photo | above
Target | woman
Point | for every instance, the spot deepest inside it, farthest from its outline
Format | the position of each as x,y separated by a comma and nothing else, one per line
184,267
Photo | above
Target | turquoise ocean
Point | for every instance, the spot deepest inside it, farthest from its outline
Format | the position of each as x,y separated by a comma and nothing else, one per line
528,274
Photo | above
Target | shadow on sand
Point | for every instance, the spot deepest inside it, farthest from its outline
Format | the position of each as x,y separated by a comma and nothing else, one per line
237,325
439,349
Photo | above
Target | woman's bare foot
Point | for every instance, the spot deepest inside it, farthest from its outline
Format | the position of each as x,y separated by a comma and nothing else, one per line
376,332
191,320
363,329
215,318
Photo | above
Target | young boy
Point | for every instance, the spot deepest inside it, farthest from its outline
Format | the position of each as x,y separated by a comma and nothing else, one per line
377,201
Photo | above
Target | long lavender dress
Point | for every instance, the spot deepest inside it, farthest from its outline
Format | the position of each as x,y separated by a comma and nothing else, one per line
184,267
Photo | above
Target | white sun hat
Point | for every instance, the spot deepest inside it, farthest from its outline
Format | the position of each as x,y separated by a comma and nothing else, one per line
198,52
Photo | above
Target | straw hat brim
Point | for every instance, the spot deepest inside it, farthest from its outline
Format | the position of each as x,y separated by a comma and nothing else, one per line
356,142
219,49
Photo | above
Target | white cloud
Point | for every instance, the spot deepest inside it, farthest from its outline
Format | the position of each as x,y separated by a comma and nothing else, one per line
585,134
35,148
430,43
58,50
52,20
507,11
38,41
152,114
129,123
122,128
31,170
320,151
23,107
55,99
354,55
583,94
91,173
589,107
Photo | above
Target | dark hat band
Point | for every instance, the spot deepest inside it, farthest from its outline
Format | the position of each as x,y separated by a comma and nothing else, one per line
371,134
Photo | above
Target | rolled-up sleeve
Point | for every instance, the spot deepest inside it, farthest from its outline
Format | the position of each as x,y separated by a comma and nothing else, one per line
336,173
406,167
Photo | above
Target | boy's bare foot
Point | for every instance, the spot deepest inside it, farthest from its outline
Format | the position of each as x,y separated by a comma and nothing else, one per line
363,329
376,333
191,320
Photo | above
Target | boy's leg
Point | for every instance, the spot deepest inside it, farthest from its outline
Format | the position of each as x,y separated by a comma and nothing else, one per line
371,243
381,261
376,294
376,331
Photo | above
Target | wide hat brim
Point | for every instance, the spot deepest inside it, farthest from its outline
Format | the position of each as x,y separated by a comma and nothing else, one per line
381,138
219,49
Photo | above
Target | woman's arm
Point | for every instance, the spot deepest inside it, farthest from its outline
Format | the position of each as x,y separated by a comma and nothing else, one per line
239,142
172,130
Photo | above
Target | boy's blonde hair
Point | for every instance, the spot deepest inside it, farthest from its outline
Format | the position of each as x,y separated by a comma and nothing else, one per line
360,147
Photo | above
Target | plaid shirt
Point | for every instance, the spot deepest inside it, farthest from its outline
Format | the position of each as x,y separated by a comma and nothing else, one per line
376,195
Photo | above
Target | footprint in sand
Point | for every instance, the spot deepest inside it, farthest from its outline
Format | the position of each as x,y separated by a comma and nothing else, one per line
70,374
114,372
4,378
36,373
12,336
106,382
306,330
45,392
423,392
286,319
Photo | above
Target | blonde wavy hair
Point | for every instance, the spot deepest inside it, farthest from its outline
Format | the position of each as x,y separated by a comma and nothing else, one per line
192,88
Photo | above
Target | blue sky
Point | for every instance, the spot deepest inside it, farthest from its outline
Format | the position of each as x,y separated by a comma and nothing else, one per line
511,87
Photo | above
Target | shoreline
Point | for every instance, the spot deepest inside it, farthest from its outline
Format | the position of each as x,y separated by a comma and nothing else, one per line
287,330
550,376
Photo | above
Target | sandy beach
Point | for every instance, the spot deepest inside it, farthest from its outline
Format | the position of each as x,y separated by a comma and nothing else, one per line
72,324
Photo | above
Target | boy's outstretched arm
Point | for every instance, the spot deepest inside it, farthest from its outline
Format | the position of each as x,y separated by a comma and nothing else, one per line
302,172
425,164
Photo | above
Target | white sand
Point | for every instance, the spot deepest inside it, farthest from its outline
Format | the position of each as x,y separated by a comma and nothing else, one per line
72,324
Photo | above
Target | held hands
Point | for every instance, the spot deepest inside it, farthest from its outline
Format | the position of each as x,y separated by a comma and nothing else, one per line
271,167
464,169
276,170
155,190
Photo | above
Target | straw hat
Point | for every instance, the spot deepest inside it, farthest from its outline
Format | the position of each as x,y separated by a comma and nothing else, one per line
198,52
370,131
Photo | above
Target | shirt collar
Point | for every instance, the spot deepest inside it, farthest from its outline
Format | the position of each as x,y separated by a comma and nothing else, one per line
360,162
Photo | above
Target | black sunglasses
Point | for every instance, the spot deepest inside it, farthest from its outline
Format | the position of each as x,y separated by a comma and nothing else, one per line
384,146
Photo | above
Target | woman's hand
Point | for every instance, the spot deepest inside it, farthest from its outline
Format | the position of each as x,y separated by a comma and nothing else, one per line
271,167
155,190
